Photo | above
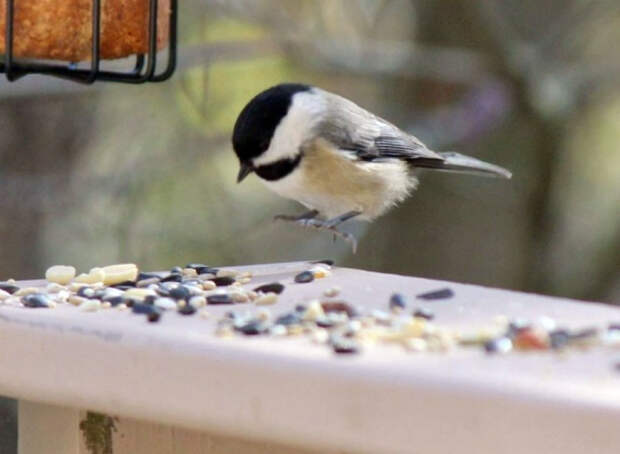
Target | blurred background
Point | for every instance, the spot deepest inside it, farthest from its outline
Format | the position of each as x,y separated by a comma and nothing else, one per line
116,173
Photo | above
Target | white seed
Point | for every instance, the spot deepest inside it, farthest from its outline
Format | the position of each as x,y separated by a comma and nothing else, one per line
75,286
224,331
266,299
239,297
122,307
139,293
166,303
95,275
190,272
76,300
252,295
26,291
204,314
244,280
53,287
227,273
62,296
197,301
115,274
278,330
106,305
13,302
4,295
11,281
208,285
320,336
320,271
332,291
245,274
416,344
60,274
313,311
90,305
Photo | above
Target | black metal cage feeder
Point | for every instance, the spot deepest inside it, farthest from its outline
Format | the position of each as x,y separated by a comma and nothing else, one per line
144,69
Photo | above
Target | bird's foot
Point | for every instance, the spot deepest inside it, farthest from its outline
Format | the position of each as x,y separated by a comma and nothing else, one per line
330,226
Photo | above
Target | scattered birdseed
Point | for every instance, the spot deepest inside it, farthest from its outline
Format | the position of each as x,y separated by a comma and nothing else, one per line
343,345
266,299
26,291
332,291
4,295
187,309
90,306
8,287
189,272
147,282
424,313
304,277
95,275
223,281
239,297
338,306
179,293
36,300
313,311
500,345
197,301
278,330
219,299
398,302
274,287
320,271
441,294
60,274
227,273
115,274
154,316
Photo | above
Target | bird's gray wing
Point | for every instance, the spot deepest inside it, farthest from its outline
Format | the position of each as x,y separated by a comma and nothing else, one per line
367,137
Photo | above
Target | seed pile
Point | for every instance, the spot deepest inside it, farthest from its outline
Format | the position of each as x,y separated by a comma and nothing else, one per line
326,320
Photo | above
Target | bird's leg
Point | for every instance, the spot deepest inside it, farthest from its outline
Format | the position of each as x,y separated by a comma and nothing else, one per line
331,224
304,216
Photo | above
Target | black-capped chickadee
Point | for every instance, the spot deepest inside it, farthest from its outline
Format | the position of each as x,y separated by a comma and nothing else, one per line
334,157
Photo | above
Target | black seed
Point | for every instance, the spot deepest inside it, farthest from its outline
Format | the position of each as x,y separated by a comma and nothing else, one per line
153,316
343,345
207,270
224,281
124,285
219,299
274,287
558,338
142,308
180,293
517,326
176,270
253,328
583,334
36,300
324,322
129,302
441,294
9,288
423,313
304,277
329,262
398,301
142,276
172,277
150,299
187,309
114,300
195,266
300,308
292,318
499,345
339,306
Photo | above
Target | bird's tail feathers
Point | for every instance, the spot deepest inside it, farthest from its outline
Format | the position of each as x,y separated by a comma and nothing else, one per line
456,162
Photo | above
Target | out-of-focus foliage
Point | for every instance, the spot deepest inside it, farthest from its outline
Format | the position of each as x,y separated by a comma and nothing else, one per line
150,176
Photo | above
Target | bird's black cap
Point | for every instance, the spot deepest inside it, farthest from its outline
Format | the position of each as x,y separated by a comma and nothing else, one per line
258,120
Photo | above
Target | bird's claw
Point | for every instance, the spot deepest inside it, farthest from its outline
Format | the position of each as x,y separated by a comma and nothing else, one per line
326,226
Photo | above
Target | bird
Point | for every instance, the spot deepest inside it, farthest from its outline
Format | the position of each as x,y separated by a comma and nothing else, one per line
334,157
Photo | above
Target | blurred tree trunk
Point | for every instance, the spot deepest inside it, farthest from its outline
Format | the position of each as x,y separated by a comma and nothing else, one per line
40,141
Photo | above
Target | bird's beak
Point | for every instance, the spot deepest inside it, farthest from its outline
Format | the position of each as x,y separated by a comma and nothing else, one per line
244,171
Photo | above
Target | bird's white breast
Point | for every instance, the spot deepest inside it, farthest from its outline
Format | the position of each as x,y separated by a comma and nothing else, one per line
332,183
